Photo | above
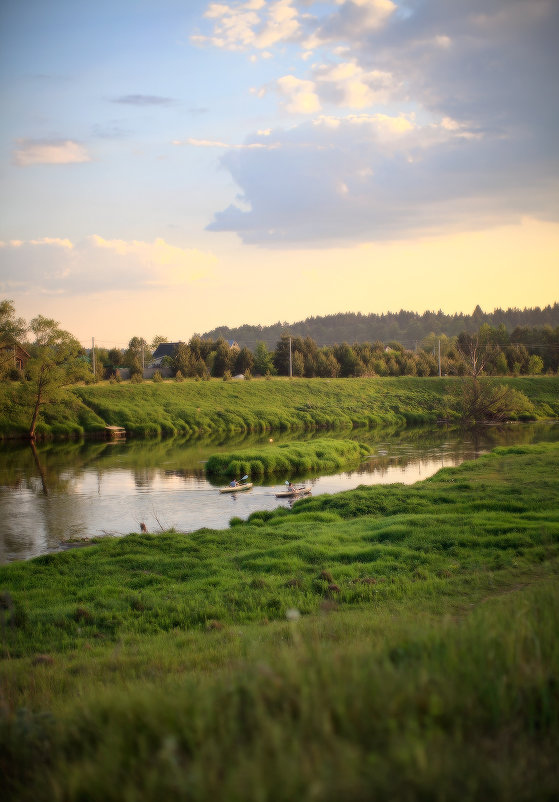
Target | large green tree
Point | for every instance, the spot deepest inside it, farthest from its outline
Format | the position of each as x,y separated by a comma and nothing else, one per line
57,360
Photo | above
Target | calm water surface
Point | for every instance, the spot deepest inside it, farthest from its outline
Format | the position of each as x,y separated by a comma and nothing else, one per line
81,490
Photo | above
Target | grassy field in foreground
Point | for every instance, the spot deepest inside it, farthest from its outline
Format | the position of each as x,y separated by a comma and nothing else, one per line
393,642
194,408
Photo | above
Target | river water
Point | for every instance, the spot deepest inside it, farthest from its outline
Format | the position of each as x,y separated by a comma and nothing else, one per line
79,490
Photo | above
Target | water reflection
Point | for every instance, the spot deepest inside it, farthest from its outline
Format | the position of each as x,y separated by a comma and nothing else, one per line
57,492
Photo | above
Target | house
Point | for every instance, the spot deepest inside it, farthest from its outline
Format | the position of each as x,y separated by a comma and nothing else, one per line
13,354
163,350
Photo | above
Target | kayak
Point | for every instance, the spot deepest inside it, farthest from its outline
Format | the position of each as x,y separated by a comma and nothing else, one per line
297,491
235,489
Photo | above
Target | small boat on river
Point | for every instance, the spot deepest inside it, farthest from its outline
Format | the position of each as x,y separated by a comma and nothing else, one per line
294,492
235,488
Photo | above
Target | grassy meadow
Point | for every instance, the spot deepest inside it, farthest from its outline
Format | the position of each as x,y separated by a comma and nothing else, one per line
194,409
393,642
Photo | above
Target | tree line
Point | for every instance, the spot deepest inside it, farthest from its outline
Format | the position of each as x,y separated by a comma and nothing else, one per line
405,327
488,351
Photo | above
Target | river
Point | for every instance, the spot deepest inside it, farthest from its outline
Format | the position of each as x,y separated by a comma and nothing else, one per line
63,492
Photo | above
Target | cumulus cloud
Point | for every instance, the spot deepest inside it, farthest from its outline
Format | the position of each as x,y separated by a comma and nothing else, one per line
253,24
49,151
57,266
373,177
476,146
300,95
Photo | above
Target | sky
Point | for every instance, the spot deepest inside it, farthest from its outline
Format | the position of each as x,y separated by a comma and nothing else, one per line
169,166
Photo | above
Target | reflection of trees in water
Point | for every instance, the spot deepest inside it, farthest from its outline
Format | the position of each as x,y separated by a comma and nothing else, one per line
57,466
144,477
39,489
185,474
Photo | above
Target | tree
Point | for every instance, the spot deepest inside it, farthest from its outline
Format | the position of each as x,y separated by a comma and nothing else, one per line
12,329
263,361
535,365
183,360
224,358
244,361
55,363
115,357
157,340
482,400
474,351
136,355
298,364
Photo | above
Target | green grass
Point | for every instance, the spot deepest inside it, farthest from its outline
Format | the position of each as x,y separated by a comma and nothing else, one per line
194,408
388,642
294,459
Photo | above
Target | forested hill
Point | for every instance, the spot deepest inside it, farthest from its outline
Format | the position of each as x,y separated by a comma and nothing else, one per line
407,328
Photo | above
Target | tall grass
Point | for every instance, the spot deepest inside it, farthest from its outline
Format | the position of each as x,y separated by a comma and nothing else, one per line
382,643
348,706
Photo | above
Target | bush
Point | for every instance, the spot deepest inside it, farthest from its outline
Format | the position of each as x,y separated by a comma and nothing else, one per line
227,376
136,378
178,376
157,377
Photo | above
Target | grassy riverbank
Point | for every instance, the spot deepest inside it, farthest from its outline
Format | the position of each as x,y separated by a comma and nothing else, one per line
391,641
205,408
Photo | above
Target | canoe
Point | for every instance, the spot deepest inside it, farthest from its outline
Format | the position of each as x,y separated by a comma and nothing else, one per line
235,489
297,491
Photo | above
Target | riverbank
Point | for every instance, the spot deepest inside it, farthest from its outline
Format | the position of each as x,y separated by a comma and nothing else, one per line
195,409
385,641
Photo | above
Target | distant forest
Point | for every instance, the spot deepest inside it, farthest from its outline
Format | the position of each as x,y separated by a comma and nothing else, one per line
407,328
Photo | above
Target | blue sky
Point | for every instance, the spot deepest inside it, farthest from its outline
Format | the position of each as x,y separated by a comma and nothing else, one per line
167,167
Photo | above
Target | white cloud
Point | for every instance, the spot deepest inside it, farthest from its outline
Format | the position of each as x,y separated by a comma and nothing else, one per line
37,151
61,243
348,85
53,265
282,24
300,95
253,24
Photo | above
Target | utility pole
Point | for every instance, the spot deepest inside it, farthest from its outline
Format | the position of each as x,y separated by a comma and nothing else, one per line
290,361
93,355
439,359
142,358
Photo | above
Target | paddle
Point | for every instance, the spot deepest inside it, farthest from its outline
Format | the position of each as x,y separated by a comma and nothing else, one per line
244,477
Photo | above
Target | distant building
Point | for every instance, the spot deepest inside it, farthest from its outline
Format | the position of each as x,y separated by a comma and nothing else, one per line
13,354
163,350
